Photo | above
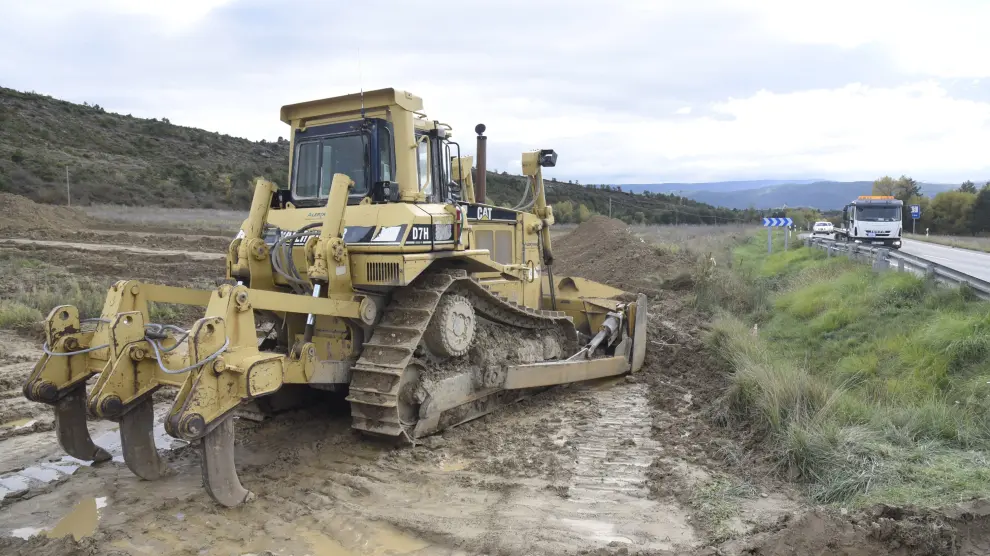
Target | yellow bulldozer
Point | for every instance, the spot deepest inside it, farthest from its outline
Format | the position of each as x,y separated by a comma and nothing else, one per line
382,273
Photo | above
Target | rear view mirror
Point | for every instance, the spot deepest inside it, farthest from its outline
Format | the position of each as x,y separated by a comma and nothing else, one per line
384,192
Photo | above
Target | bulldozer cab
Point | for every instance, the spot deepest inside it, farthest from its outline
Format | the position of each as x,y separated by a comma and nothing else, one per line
381,141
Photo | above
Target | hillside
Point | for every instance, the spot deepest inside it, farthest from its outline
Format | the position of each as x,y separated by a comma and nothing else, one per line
120,159
113,158
646,208
720,186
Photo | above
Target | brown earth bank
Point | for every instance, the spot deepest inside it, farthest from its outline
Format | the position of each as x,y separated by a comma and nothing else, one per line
24,219
636,465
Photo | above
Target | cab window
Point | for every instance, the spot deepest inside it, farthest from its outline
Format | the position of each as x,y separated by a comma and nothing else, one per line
385,154
423,166
317,160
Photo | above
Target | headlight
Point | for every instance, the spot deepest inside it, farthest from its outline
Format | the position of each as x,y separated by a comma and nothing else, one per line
858,241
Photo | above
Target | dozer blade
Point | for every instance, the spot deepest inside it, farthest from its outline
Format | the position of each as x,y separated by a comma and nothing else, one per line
219,474
138,442
71,430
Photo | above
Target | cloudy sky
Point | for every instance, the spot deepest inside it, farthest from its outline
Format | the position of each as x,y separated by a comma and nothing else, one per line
644,91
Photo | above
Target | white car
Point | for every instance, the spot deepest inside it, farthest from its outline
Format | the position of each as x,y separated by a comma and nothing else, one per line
823,228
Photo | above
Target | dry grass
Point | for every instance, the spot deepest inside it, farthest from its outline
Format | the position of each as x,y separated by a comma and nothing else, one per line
218,220
962,242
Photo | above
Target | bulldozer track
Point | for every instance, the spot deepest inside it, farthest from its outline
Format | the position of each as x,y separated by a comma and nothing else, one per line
377,377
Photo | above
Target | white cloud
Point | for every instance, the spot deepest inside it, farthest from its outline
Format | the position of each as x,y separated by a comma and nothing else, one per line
942,39
643,91
852,132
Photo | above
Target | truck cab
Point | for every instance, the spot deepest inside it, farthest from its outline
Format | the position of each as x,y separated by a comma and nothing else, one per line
873,220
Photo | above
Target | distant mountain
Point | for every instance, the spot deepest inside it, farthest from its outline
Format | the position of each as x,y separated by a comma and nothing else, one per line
823,195
710,186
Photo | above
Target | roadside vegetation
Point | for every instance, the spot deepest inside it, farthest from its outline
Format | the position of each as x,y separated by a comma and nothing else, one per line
867,387
981,243
963,211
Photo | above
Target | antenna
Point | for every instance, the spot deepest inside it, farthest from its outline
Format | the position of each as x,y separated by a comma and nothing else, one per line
360,83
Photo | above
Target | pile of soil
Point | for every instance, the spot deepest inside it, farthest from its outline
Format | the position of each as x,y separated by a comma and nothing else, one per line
604,250
21,213
961,530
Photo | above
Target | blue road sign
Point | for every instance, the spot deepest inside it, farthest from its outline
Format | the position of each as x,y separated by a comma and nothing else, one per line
916,211
777,222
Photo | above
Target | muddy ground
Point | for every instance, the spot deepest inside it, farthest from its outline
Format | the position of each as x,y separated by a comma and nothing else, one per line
636,465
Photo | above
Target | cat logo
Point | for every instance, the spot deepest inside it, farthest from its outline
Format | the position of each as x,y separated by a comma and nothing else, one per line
484,213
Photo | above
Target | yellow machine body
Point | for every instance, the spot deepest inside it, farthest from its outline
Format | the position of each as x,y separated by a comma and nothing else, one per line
373,269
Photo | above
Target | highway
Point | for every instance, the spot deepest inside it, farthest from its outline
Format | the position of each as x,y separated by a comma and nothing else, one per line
974,263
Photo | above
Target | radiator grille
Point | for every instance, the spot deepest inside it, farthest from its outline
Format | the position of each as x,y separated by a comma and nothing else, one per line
383,272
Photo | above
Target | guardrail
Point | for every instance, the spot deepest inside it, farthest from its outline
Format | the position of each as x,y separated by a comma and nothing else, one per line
883,258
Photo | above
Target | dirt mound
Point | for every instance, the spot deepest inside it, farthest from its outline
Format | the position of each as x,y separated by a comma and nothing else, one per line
604,250
21,213
962,530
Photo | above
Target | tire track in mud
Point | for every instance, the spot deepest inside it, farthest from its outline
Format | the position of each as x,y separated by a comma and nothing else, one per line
608,484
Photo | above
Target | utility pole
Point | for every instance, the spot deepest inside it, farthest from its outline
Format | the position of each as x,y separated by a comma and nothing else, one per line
610,207
68,196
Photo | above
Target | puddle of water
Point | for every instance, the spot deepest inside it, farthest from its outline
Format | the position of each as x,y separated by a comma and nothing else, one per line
46,472
63,469
26,532
454,465
323,545
110,441
14,484
597,530
19,423
41,474
80,522
393,541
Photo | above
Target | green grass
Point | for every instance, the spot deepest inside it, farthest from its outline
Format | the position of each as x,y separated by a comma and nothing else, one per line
869,387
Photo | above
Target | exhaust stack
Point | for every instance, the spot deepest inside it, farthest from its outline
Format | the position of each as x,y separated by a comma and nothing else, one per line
479,187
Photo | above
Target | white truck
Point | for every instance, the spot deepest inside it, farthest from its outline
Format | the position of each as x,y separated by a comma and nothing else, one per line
872,220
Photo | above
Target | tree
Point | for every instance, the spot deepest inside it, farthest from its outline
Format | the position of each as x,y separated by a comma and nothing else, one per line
563,212
979,220
951,212
905,188
968,187
583,213
884,186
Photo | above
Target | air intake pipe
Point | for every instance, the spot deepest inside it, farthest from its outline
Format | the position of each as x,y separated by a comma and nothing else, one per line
479,183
